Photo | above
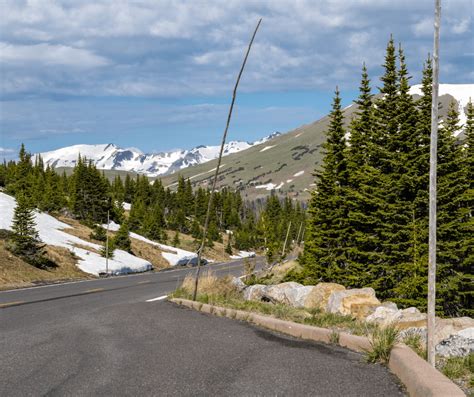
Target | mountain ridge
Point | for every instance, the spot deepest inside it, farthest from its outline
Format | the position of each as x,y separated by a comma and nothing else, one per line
112,157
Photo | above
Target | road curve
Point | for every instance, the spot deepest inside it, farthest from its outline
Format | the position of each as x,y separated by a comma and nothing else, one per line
101,337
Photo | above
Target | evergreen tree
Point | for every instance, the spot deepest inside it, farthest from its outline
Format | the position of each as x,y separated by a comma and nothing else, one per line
25,236
122,238
466,281
176,240
107,249
325,249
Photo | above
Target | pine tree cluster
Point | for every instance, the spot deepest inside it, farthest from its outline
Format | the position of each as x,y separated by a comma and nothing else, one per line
368,215
88,196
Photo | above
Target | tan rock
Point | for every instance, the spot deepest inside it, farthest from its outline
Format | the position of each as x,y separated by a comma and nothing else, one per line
319,295
342,302
411,318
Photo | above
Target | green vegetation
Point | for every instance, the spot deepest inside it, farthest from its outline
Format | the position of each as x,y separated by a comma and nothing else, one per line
382,341
24,240
460,369
416,343
88,196
368,215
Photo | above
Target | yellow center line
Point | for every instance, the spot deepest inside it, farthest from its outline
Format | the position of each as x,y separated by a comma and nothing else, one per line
94,290
144,282
11,303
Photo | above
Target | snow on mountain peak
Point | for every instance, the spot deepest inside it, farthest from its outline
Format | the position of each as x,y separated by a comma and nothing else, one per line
111,157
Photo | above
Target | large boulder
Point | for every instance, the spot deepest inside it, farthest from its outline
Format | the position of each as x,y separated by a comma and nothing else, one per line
384,316
403,319
356,302
318,296
285,293
455,345
254,292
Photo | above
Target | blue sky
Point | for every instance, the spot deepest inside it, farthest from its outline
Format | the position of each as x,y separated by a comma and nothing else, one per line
158,75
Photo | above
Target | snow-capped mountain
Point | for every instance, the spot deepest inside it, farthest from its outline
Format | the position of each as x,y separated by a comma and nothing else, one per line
112,157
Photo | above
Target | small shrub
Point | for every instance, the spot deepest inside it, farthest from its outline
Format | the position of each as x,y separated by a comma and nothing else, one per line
98,233
334,337
382,341
415,342
455,367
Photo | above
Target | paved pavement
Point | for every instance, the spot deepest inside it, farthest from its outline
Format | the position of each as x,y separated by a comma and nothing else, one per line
102,337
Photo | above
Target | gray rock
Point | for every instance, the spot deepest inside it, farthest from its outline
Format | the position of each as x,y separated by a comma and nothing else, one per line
455,346
238,284
284,293
254,292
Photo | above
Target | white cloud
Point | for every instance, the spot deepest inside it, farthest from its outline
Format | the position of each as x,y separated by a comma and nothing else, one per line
175,48
462,26
49,54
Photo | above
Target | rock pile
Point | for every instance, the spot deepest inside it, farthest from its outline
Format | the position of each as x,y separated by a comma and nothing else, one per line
454,336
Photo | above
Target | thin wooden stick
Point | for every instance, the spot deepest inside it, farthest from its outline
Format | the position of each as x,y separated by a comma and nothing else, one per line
206,223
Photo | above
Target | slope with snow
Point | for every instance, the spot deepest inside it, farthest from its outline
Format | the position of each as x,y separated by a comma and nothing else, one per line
172,254
51,232
462,93
112,157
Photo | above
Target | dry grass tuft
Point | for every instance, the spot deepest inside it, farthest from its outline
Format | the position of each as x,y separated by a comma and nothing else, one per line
209,286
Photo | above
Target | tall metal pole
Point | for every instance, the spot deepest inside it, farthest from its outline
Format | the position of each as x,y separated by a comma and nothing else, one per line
107,245
224,136
432,201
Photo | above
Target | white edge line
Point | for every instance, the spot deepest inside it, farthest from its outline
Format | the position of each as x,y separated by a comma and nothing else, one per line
160,298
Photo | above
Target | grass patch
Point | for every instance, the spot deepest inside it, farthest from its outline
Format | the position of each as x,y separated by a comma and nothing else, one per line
460,370
382,341
334,337
16,273
415,342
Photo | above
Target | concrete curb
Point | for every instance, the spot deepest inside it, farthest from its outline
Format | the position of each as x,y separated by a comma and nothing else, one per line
420,378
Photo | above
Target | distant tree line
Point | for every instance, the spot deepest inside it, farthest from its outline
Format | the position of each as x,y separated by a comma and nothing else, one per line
89,196
368,214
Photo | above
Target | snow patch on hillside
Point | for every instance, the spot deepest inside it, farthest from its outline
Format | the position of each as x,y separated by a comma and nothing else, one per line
51,232
267,186
243,254
266,148
299,173
173,255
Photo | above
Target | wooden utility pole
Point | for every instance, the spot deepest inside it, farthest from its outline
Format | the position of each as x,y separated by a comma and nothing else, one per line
107,245
286,240
224,136
299,232
432,201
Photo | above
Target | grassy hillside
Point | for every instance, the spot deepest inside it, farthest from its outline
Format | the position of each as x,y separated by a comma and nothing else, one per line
287,162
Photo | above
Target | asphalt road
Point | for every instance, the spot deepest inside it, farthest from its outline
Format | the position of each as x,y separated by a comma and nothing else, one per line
102,337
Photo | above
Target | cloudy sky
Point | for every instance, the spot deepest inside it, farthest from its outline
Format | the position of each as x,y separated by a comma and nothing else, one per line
158,74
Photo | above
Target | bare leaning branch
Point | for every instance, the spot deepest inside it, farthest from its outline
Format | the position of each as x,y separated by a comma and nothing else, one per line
206,223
